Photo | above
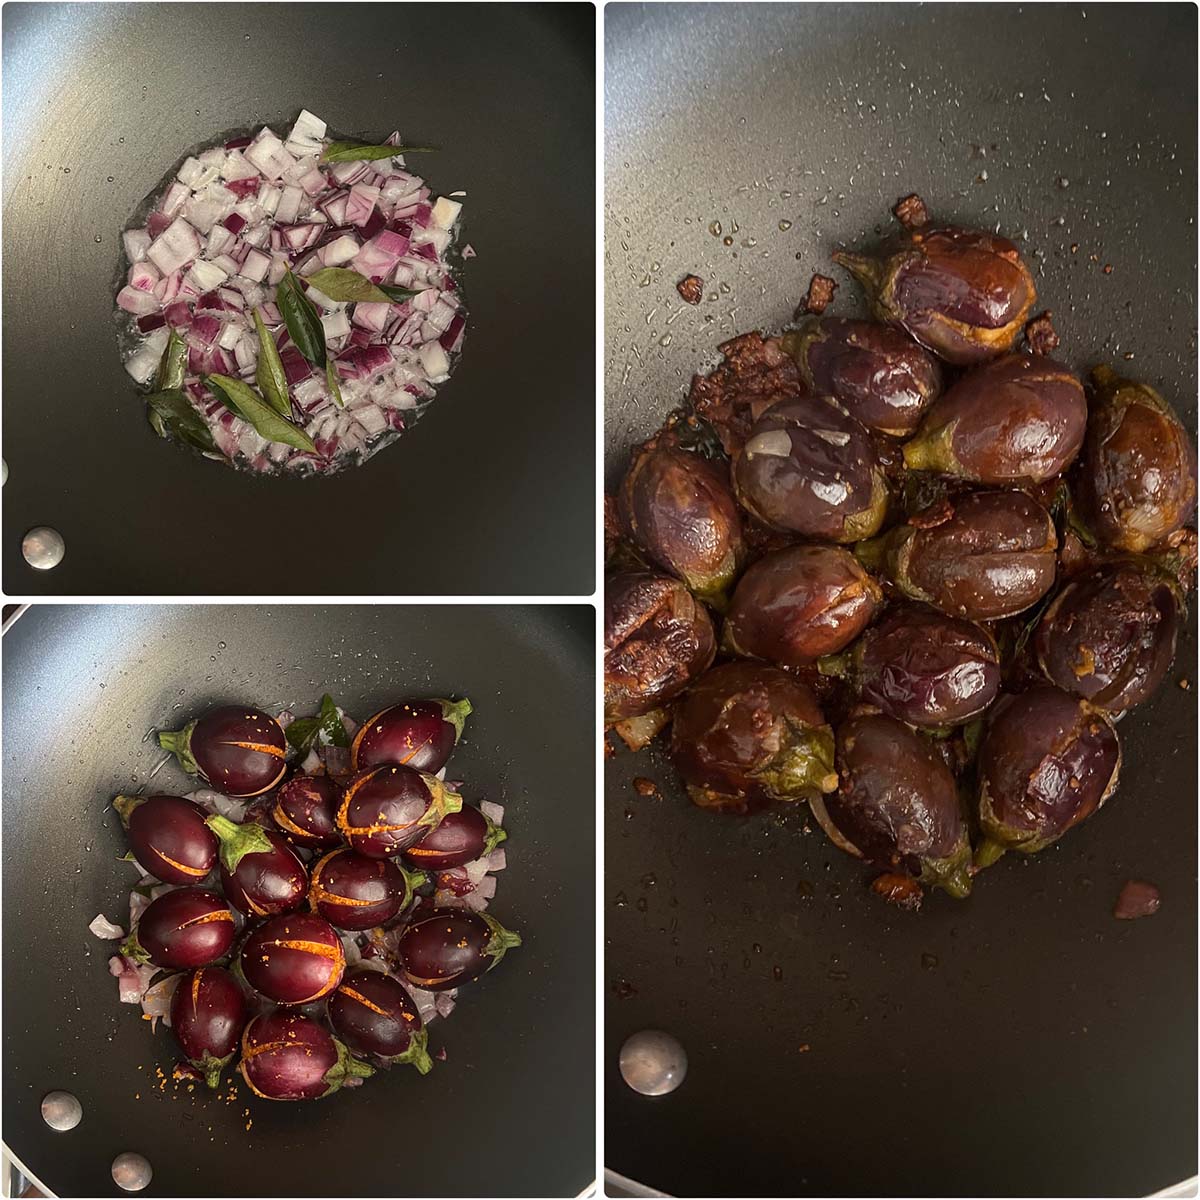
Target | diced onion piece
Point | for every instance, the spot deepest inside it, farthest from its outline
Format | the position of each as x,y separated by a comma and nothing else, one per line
256,266
174,199
176,246
103,928
435,361
445,212
204,276
494,812
335,324
340,250
307,133
288,208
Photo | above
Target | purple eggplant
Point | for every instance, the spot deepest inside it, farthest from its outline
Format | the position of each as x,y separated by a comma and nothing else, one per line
420,734
239,750
387,809
1138,474
809,467
748,733
260,873
657,638
462,837
443,948
986,555
1019,419
897,805
799,604
677,508
1047,761
288,1056
1109,636
962,293
374,1015
188,927
306,810
881,376
293,959
168,837
208,1014
921,666
352,891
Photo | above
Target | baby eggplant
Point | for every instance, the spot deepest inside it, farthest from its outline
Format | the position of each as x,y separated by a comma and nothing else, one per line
1047,761
747,732
288,1056
445,947
1109,636
921,666
882,378
208,1014
352,891
293,959
462,837
168,837
1019,419
1138,474
676,507
657,638
186,928
306,810
374,1014
260,872
240,751
897,805
800,603
387,809
420,734
962,293
808,467
984,556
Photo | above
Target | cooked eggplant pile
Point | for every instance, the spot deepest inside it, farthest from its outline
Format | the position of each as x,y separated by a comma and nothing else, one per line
904,570
310,911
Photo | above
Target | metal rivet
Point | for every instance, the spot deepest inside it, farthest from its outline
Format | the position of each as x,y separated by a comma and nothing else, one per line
131,1172
3,472
43,547
653,1063
61,1111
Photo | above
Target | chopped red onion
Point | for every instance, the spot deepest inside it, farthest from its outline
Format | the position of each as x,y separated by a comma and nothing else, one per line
361,204
103,928
255,266
177,245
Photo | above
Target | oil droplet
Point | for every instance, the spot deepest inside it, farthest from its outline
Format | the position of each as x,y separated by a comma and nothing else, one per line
98,238
220,645
715,229
121,140
665,340
727,240
66,170
110,179
1063,182
750,243
777,972
726,289
784,226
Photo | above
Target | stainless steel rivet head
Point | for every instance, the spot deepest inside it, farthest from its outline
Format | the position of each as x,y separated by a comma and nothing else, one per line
653,1063
131,1172
3,471
43,547
61,1111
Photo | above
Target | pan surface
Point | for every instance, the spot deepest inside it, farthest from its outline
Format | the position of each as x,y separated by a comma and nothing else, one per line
1022,1042
493,491
511,1111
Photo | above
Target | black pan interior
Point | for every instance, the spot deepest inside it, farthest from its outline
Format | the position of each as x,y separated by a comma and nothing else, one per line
1022,1042
493,492
511,1111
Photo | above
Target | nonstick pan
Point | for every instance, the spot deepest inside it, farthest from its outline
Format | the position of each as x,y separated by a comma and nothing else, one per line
1022,1042
511,1110
493,492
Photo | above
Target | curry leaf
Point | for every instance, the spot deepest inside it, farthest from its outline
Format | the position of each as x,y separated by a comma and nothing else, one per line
171,415
346,286
173,367
331,380
302,319
271,376
327,725
358,152
251,407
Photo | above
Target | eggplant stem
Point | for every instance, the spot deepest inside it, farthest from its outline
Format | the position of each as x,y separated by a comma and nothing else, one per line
456,713
988,851
179,743
125,806
417,1054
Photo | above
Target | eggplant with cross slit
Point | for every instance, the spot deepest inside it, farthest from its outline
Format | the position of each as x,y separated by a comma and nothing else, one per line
239,750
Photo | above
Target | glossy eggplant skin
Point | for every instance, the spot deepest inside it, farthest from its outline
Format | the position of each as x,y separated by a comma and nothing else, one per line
189,927
293,959
657,638
352,891
266,883
800,603
240,750
462,837
746,733
1047,761
897,804
420,734
965,294
442,948
1018,419
808,467
926,668
305,809
878,373
1137,479
992,556
208,1014
1109,636
384,810
288,1056
374,1014
168,837
677,508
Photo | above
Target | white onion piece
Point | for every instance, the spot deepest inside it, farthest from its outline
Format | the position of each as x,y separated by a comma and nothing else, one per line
217,804
493,811
104,929
497,860
176,246
444,1003
156,1002
353,953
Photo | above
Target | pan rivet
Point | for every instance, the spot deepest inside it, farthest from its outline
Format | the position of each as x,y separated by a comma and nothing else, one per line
43,547
61,1111
653,1063
131,1172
